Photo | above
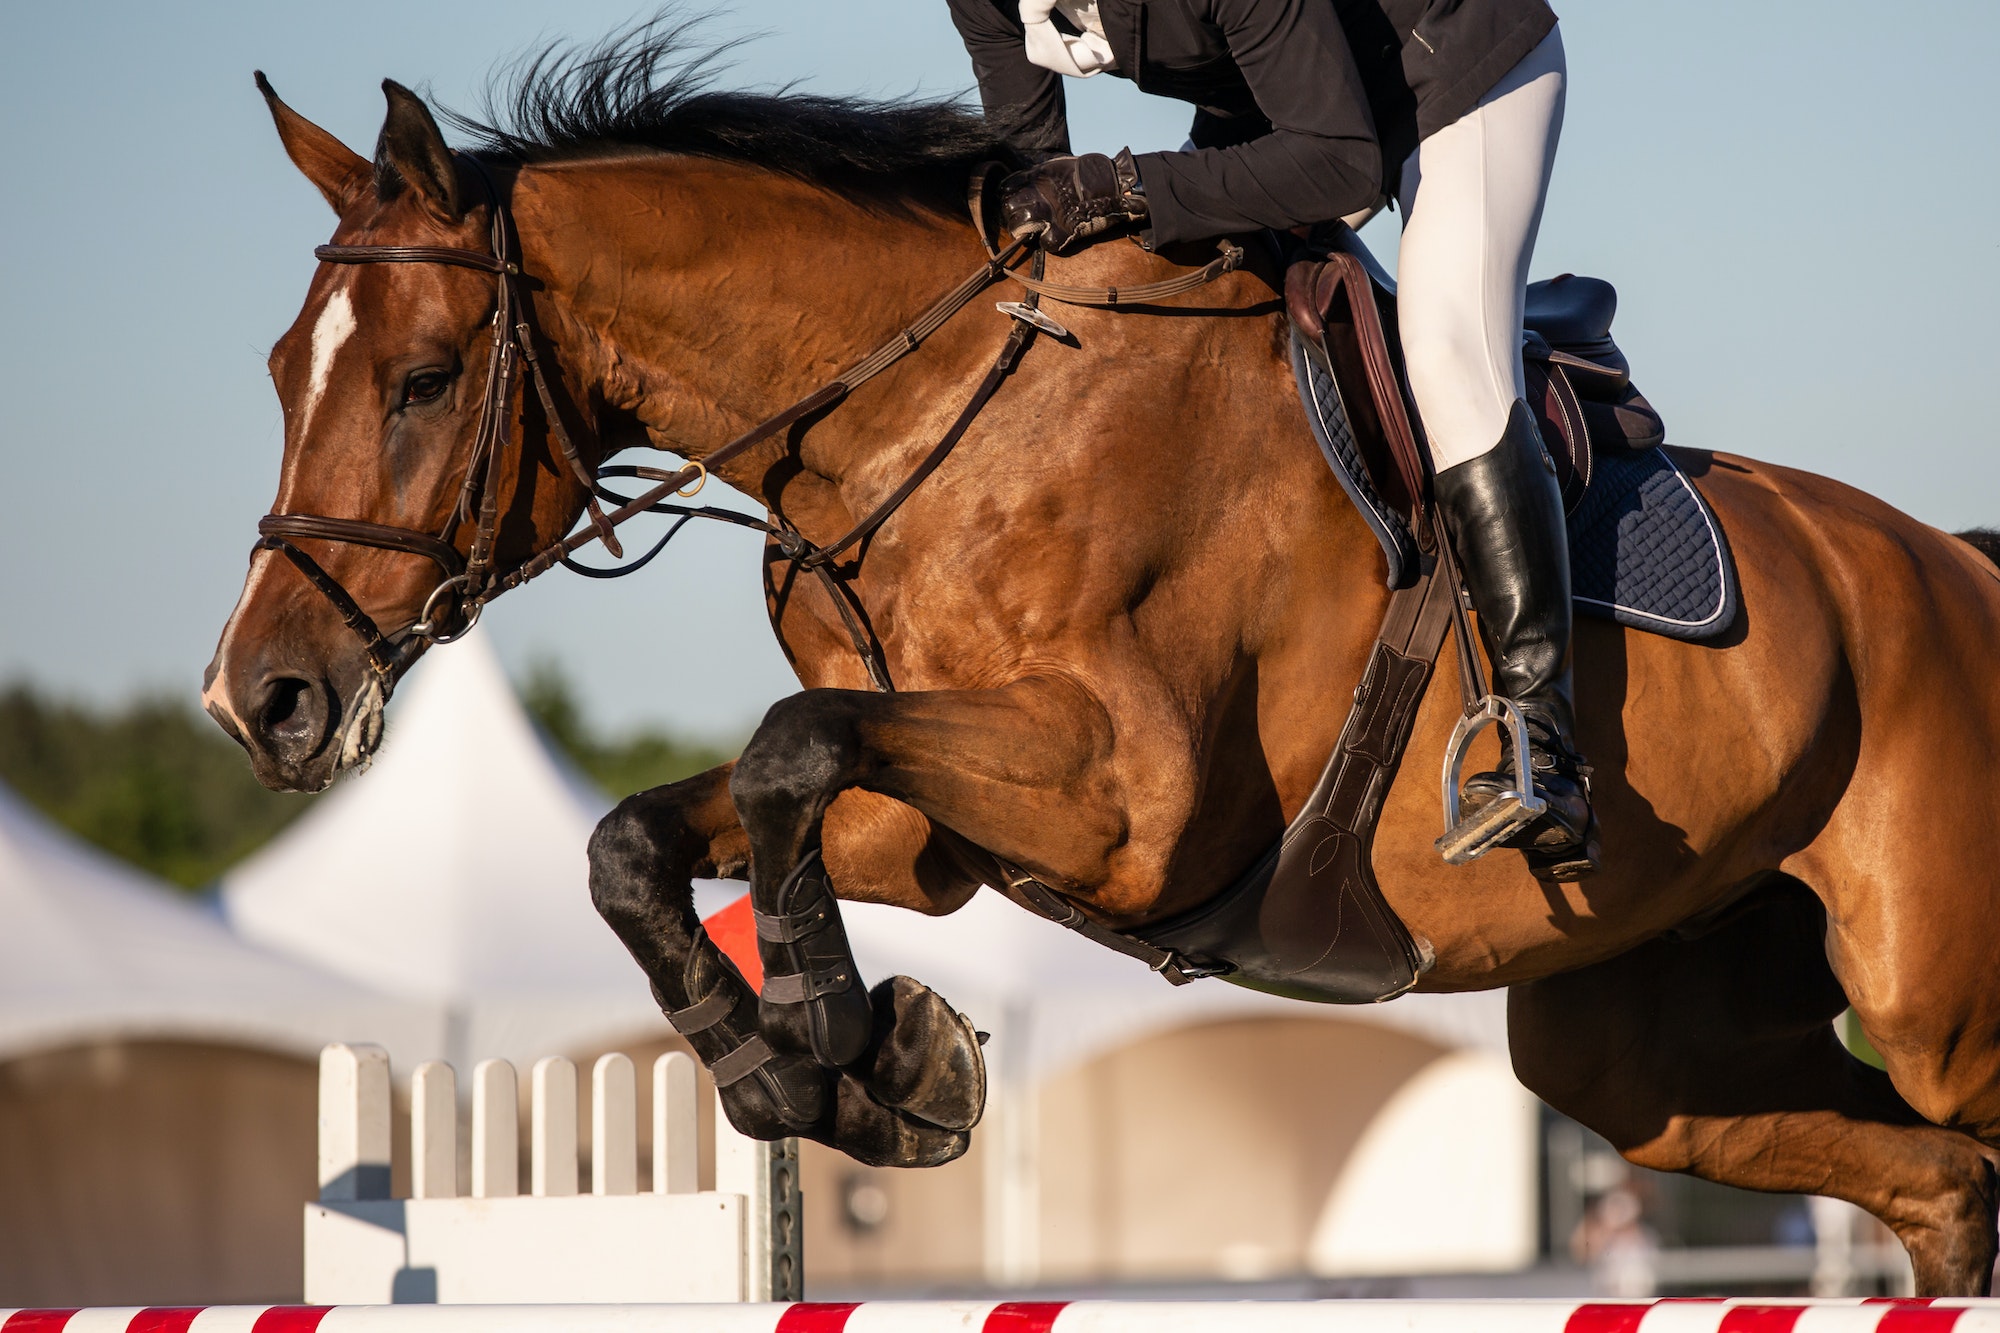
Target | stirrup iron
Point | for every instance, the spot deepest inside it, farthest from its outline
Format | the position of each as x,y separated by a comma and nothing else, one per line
1468,838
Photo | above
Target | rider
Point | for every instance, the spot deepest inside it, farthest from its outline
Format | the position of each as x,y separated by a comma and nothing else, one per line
1308,110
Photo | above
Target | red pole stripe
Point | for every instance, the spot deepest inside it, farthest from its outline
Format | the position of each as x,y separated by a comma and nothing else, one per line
1023,1317
815,1316
290,1319
36,1321
1760,1319
1605,1318
163,1319
1919,1319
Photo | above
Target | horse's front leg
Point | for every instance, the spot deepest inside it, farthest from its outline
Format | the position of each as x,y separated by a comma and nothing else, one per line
644,857
1009,769
920,1086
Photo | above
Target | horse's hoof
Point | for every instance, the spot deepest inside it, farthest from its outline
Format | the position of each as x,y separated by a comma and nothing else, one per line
926,1060
877,1135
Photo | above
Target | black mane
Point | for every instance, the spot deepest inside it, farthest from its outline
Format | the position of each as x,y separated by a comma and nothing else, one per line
647,89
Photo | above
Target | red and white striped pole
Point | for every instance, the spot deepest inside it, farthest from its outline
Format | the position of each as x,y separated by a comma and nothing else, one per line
1665,1316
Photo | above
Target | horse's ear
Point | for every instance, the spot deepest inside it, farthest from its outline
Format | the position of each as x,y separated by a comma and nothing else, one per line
340,173
412,154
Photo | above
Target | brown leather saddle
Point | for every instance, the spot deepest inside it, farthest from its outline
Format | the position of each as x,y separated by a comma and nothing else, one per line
1309,920
1579,383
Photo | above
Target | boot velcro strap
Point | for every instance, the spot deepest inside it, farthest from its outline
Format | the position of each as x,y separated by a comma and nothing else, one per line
799,987
741,1063
794,926
704,1013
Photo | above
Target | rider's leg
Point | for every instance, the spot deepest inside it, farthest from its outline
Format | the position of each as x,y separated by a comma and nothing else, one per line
1472,202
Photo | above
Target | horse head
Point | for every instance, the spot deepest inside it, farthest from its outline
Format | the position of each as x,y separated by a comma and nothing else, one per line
397,471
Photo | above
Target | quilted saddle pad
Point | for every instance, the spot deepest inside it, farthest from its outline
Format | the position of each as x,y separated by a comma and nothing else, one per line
1645,548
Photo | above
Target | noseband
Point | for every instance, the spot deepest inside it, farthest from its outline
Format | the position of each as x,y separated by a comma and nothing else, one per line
471,580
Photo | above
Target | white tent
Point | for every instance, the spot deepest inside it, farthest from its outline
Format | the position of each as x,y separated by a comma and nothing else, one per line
91,949
454,871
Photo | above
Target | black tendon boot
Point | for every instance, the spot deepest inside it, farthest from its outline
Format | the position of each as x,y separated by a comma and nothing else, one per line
1505,514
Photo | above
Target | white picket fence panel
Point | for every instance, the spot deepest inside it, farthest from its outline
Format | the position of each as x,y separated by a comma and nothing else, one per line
489,1244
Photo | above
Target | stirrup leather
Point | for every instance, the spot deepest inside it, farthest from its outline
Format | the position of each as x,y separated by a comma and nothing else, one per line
1468,837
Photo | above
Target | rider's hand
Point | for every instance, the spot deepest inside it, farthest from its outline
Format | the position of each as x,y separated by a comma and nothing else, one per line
1067,199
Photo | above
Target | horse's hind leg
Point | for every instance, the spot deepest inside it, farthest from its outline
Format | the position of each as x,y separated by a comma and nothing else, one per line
1717,1057
643,857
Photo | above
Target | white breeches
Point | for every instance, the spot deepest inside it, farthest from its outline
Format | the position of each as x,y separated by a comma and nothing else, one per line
1472,202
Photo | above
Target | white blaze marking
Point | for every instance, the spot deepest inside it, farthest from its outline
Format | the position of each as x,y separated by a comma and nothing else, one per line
335,326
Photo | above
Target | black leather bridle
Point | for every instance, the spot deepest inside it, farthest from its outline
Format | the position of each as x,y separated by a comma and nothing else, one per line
470,580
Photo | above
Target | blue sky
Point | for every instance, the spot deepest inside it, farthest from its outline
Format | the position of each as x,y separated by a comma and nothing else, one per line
1796,199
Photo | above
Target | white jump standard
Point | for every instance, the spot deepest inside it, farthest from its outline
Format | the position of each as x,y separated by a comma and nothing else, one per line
493,1246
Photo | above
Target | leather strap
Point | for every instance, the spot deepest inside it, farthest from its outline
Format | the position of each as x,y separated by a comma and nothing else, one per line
799,987
1046,903
382,657
1003,365
740,1063
361,533
978,197
1385,385
704,1013
524,338
1145,293
457,256
793,926
1385,704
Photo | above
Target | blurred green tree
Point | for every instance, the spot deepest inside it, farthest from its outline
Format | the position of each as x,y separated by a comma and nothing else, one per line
158,784
636,761
153,781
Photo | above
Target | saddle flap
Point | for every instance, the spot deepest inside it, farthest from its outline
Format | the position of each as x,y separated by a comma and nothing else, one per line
1336,308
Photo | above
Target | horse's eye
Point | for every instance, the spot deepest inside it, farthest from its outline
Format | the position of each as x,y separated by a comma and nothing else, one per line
426,386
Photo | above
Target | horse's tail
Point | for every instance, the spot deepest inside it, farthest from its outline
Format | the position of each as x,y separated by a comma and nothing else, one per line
1984,540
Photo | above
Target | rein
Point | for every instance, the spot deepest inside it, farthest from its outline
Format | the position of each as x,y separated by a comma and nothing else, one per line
470,580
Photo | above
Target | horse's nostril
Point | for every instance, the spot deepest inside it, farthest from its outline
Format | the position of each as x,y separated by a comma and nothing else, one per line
287,708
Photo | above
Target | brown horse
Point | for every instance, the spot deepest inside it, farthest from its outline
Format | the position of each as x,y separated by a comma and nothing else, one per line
1123,621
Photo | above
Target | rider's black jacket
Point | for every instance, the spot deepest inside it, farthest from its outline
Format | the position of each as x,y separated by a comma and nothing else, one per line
1305,109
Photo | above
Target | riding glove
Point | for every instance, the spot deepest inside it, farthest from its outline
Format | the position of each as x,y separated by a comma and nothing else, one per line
1067,199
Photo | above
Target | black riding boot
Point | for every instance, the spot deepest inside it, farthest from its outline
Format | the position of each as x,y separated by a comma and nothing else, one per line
1505,514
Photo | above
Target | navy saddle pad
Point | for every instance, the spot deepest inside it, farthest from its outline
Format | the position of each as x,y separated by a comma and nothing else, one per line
1645,550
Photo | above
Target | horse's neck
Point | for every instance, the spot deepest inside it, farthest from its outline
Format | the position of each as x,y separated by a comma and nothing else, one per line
701,298
730,296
